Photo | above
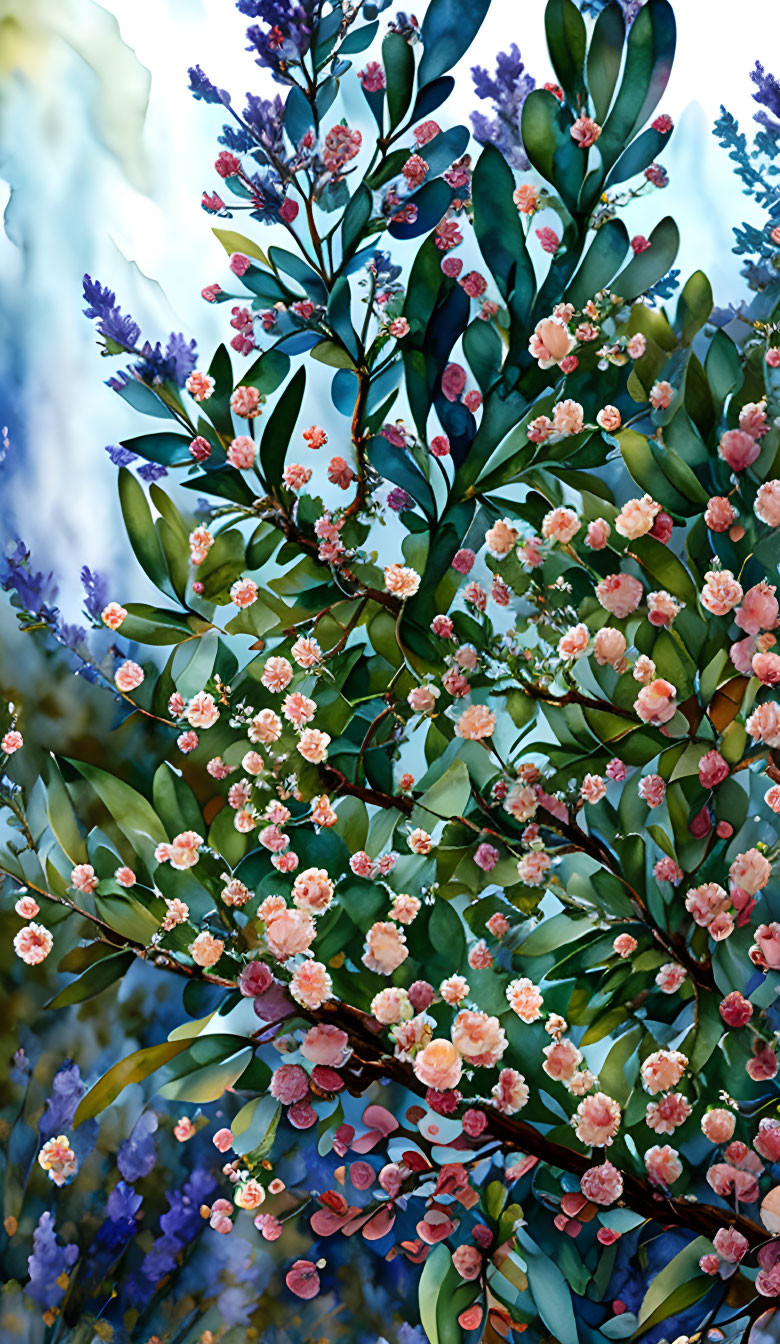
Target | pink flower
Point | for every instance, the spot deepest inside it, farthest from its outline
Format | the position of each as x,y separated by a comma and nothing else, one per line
652,789
526,198
551,342
767,1140
639,244
602,1185
670,977
574,643
730,1244
438,1065
763,1065
759,609
33,944
245,402
662,1070
719,514
666,1115
560,525
625,945
223,1139
200,386
312,890
736,1010
585,131
738,449
326,1045
26,907
187,742
241,452
239,264
663,1165
125,877
712,769
303,1279
533,868
289,1083
84,878
751,871
661,395
616,770
373,77
467,1260
619,594
486,857
657,703
597,535
568,417
596,1120
609,419
609,647
767,503
561,1060
662,608
550,241
311,985
402,581
128,676
479,1037
510,1093
463,561
718,1125
112,615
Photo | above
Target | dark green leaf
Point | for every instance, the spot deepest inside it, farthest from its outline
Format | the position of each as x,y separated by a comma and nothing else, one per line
448,30
279,429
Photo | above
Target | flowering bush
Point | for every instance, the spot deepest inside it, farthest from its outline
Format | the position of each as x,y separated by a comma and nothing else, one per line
468,810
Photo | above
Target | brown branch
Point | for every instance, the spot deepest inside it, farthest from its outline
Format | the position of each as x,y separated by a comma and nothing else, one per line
359,442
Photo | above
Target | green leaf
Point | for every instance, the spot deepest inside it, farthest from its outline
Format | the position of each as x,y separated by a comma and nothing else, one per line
176,804
134,1069
604,59
279,429
683,1269
549,1290
600,263
546,132
694,306
437,1269
356,217
94,980
62,817
328,352
267,373
651,44
128,917
565,30
134,816
168,449
722,366
193,664
254,1127
398,60
396,465
448,29
498,227
449,795
649,266
141,531
236,242
209,1082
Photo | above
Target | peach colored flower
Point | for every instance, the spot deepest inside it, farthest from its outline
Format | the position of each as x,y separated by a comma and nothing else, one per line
277,674
202,711
306,652
299,708
501,538
33,944
670,977
661,396
84,878
295,476
526,198
759,609
475,723
467,1261
234,892
245,402
719,514
574,643
609,419
289,933
438,1065
113,615
385,947
585,131
521,801
551,342
525,999
738,449
597,534
206,950
532,868
662,1070
313,745
27,907
125,877
242,452
265,727
767,503
311,985
454,990
706,901
183,850
568,417
609,647
662,608
657,703
200,386
602,1185
401,580
510,1093
404,908
59,1160
619,594
721,591
625,945
666,1115
178,913
422,699
479,1037
593,789
751,871
243,593
718,1125
644,669
128,676
200,541
250,1195
663,1165
560,525
184,1129
312,890
764,724
392,1005
419,841
636,518
561,1060
596,1120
